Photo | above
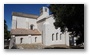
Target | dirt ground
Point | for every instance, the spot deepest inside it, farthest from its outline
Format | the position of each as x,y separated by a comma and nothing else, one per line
41,46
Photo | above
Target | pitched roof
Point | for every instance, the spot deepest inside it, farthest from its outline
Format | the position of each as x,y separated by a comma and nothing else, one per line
25,32
24,15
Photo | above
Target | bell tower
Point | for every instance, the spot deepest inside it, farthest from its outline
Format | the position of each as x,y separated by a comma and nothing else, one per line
44,11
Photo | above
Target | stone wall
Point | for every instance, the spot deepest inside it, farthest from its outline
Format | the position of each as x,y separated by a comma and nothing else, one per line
28,39
58,37
22,22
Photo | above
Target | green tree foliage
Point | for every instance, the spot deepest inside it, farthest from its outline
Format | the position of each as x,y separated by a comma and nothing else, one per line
6,32
70,16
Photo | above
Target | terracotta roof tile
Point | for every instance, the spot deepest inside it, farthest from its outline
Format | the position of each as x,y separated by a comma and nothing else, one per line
25,31
24,15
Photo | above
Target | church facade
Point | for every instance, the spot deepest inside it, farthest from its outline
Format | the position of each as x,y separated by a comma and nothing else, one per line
33,29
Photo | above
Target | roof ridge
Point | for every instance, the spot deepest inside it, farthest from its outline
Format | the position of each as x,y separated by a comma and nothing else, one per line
24,15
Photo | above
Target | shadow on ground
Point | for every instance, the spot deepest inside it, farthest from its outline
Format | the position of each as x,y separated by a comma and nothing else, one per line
56,48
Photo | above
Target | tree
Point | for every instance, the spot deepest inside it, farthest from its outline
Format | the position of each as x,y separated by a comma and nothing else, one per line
70,16
6,32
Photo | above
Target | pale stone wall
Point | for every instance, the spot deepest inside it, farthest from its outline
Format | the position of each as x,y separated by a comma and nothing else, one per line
67,38
22,22
37,40
32,22
40,26
13,22
49,29
28,39
25,40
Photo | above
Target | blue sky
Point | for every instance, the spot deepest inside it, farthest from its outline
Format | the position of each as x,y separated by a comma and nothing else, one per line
24,8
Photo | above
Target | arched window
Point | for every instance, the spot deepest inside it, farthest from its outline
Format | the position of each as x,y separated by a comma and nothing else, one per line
31,27
45,9
56,36
35,39
60,36
16,24
52,37
41,11
21,40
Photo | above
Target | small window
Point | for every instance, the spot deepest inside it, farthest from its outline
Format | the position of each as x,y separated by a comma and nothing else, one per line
52,37
31,27
35,39
21,40
56,36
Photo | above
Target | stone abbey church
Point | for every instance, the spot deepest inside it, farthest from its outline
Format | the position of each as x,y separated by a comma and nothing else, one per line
33,29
